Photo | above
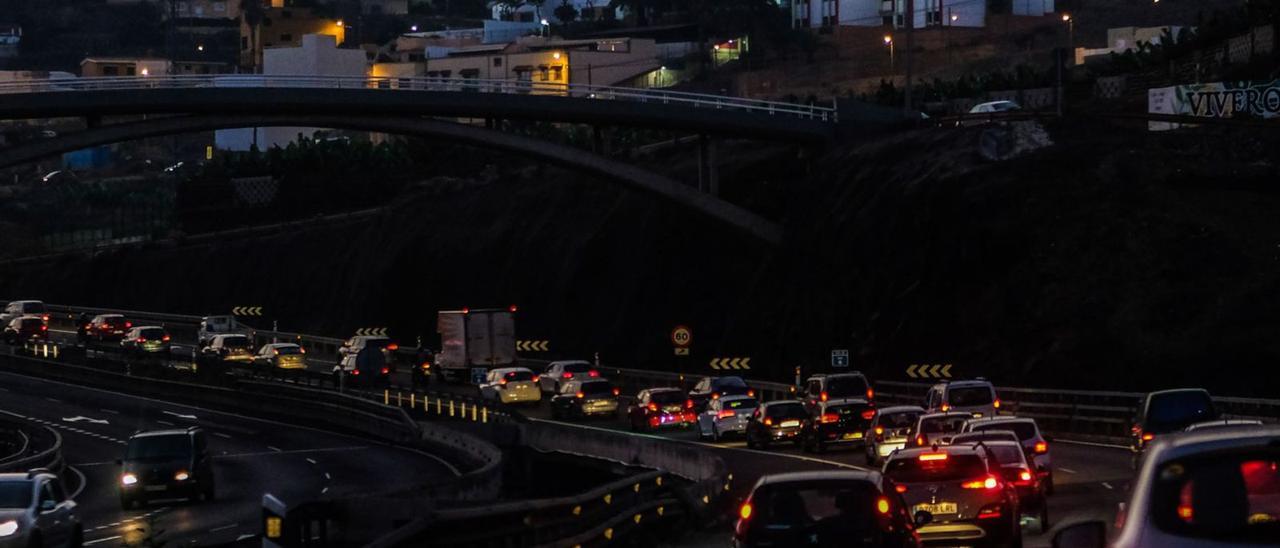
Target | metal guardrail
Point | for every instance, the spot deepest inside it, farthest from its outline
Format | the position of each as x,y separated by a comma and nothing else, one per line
41,447
407,85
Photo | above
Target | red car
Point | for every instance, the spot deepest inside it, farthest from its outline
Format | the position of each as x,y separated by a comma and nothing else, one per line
657,408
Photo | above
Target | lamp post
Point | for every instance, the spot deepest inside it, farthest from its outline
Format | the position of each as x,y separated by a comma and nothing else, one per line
546,27
1071,30
888,41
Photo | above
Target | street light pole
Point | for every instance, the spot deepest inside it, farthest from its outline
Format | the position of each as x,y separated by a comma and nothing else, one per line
888,41
911,24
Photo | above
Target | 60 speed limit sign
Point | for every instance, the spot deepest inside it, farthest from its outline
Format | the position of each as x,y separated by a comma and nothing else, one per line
681,336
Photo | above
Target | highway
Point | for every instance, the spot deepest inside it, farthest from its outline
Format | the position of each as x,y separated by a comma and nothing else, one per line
252,456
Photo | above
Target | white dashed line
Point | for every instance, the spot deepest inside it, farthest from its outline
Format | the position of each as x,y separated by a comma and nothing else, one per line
245,536
327,476
105,539
221,435
1068,470
1107,485
166,423
113,412
312,461
325,490
224,528
276,449
55,400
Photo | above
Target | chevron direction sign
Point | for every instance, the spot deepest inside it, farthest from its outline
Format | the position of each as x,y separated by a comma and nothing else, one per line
371,332
926,371
533,346
725,364
246,310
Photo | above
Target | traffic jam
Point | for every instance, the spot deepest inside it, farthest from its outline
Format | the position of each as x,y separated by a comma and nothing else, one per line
958,469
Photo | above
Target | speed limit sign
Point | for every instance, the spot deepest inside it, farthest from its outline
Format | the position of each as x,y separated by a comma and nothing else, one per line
681,336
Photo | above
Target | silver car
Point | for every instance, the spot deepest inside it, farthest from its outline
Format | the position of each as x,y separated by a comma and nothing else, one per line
35,511
890,430
727,415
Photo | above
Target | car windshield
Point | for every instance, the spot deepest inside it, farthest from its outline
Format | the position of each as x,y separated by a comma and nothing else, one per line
15,494
172,447
1024,430
577,367
966,396
900,419
723,383
1007,454
596,388
787,411
1232,498
935,467
740,405
846,386
942,425
238,341
151,334
518,376
33,308
841,511
666,398
1177,410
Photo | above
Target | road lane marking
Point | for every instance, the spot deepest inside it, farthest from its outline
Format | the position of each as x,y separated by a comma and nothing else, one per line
277,452
276,449
101,540
83,480
166,423
325,490
109,411
1094,444
327,476
1067,470
311,460
221,435
245,536
181,416
54,400
224,528
1107,485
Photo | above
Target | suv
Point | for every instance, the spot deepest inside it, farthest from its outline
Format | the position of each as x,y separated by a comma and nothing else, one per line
26,328
1034,443
661,407
976,397
1216,488
776,421
1167,412
148,339
837,386
107,328
166,464
889,431
835,422
712,388
584,399
233,347
829,508
937,428
959,491
559,373
35,511
17,309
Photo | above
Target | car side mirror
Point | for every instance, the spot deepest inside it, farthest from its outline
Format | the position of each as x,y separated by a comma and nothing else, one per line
922,518
1090,534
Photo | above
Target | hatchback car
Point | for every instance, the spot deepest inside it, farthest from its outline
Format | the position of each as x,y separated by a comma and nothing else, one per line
726,415
17,309
35,511
776,421
585,398
937,428
25,329
661,408
824,509
712,388
557,374
889,431
837,422
976,397
147,339
287,356
837,386
108,328
166,464
962,491
511,385
1016,467
231,347
1034,443
1166,412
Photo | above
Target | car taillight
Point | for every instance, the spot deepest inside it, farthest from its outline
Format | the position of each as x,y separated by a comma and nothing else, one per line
871,394
1148,436
715,395
127,325
356,372
727,413
879,430
428,366
1041,448
745,511
141,340
653,407
617,391
44,328
996,404
869,414
385,370
920,440
1024,477
502,381
828,418
88,325
933,457
990,512
653,421
166,339
275,351
900,488
990,482
945,408
768,421
566,375
580,395
824,396
393,347
688,404
751,393
593,373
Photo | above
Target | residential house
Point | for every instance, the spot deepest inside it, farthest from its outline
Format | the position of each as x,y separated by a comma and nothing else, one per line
892,13
282,27
546,61
588,10
92,67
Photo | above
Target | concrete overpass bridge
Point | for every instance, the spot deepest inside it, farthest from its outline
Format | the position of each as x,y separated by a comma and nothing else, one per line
415,106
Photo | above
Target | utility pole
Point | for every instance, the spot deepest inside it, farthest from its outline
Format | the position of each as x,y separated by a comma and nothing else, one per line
911,24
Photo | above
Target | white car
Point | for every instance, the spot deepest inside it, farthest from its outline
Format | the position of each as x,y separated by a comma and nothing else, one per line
17,309
995,106
727,415
1213,489
511,385
977,397
35,511
1034,443
557,374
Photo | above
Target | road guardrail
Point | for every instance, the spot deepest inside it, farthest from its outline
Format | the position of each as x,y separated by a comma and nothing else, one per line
41,447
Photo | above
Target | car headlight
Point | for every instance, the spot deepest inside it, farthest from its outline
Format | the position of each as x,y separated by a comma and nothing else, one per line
182,475
128,479
8,528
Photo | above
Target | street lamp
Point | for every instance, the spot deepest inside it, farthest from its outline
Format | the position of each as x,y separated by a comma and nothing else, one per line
546,27
413,28
1071,30
888,41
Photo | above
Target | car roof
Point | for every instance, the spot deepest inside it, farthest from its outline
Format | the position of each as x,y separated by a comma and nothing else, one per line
872,476
281,345
110,315
726,377
737,397
968,383
1213,439
567,362
505,370
663,389
1225,423
30,317
846,401
26,302
147,327
226,335
1177,391
781,402
900,409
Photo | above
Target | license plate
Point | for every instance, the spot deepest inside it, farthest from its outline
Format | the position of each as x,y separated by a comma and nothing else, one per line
942,508
156,488
852,436
790,424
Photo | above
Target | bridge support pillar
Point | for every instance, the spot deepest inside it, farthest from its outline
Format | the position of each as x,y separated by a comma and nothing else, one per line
708,167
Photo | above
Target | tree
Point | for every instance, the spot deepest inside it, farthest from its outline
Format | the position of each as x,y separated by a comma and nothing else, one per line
565,12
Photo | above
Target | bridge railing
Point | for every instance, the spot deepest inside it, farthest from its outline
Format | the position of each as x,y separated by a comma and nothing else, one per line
393,84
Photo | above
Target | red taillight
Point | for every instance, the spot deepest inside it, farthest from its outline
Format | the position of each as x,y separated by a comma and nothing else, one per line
727,413
356,372
828,418
45,317
127,325
88,325
1024,477
824,396
466,310
44,328
535,377
920,440
900,488
930,457
688,404
882,505
166,339
871,394
566,375
385,370
1185,513
715,395
275,351
580,395
1041,448
745,511
617,391
393,347
990,512
989,483
593,373
512,308
141,340
751,393
502,381
653,407
996,404
869,414
768,421
1148,436
653,421
945,408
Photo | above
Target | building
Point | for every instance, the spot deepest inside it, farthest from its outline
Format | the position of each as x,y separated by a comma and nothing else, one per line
92,67
316,55
10,37
282,27
548,61
892,13
588,10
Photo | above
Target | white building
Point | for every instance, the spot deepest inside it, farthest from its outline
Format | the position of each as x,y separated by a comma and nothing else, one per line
317,56
928,13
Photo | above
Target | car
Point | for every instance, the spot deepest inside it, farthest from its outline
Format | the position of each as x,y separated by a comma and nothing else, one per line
711,388
585,398
825,509
837,386
1207,489
353,346
1035,443
995,106
889,431
233,347
976,397
35,511
726,415
212,326
108,328
1017,467
1224,423
961,489
1166,412
657,408
421,376
16,309
988,435
511,385
937,428
25,329
166,464
776,421
285,356
146,339
558,373
835,422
